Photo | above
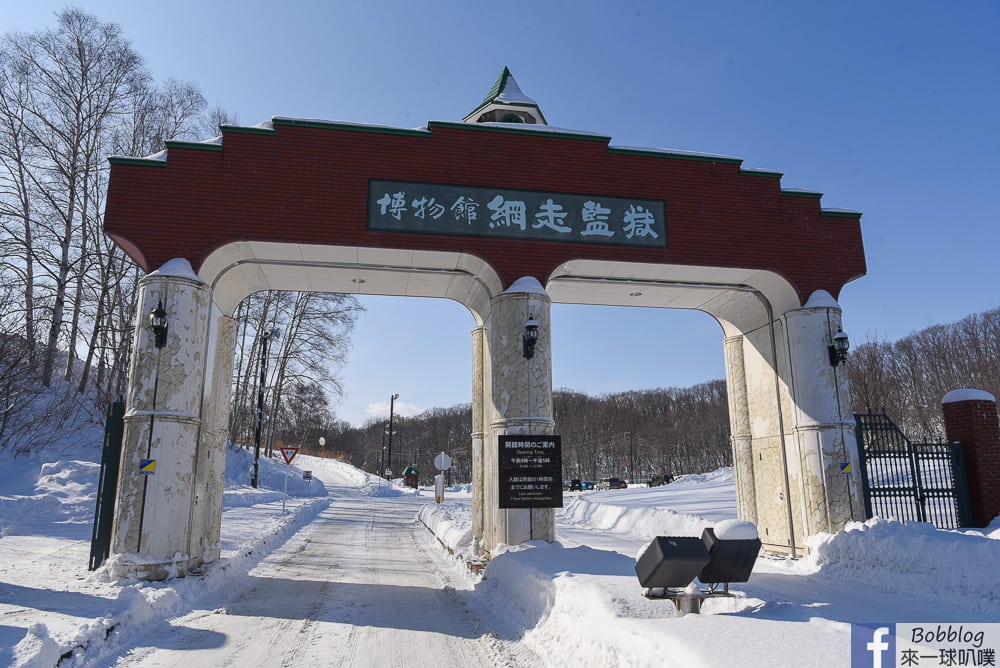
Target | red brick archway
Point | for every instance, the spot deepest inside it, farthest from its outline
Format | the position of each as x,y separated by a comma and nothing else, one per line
302,205
305,182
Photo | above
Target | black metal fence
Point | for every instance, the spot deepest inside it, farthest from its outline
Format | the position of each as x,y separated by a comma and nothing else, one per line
922,482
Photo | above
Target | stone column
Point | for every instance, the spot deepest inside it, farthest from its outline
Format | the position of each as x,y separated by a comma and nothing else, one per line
521,402
157,478
479,370
739,425
823,428
768,410
970,418
206,524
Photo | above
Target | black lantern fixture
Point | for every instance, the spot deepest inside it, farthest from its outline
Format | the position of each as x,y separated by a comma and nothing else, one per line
158,323
838,349
530,337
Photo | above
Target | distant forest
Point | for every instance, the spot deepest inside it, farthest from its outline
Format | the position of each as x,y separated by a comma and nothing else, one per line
635,434
642,433
907,379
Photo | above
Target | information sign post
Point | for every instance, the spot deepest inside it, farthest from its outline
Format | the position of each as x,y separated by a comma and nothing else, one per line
443,463
530,471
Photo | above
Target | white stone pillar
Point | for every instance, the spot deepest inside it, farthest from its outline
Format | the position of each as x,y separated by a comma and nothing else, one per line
823,426
206,525
521,404
739,425
153,513
479,372
773,452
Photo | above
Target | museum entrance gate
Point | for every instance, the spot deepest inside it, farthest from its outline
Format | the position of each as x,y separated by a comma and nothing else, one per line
505,218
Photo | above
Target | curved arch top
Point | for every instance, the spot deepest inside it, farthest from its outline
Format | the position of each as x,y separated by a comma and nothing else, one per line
298,191
242,268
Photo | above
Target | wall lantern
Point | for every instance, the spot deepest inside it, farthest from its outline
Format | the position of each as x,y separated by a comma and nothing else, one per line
530,337
158,323
838,349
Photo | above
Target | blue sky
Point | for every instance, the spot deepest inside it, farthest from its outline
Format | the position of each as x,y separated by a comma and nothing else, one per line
890,108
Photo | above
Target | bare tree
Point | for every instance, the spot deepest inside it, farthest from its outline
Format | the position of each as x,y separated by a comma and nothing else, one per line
315,334
16,189
214,120
82,74
69,96
909,378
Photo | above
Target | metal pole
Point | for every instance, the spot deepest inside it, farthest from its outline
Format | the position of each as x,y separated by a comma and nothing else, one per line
260,409
392,405
631,458
381,464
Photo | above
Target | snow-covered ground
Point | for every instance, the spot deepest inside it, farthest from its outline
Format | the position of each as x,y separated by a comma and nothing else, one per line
574,601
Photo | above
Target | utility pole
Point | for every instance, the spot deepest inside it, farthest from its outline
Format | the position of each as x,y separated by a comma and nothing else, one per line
381,460
631,457
265,337
392,405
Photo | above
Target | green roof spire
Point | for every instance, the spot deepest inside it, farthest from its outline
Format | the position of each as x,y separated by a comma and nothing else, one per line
507,103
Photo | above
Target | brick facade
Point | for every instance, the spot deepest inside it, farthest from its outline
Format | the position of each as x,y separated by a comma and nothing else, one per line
974,424
307,182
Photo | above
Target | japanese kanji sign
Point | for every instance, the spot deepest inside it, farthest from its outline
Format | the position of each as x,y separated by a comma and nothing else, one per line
530,471
465,210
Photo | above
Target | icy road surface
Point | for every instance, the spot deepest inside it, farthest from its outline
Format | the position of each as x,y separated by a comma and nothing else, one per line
363,584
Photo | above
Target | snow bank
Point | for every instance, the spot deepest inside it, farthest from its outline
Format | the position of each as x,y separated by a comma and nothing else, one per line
957,567
451,524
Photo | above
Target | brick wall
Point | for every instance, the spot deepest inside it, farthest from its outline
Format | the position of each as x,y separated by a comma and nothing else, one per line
974,424
307,182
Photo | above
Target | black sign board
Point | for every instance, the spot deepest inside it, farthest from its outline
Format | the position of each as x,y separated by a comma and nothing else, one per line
434,208
530,471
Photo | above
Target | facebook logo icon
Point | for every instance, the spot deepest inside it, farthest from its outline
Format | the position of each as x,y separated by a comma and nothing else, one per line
873,645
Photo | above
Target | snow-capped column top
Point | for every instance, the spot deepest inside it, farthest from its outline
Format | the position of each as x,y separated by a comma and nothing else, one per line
967,395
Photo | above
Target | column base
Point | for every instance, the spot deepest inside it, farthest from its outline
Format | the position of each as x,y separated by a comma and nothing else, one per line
132,565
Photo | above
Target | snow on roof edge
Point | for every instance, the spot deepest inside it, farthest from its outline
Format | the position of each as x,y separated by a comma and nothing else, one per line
677,151
321,121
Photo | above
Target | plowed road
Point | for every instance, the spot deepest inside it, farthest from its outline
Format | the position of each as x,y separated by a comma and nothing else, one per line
364,584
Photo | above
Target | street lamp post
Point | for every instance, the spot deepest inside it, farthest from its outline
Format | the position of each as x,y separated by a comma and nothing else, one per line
392,405
265,337
385,432
381,461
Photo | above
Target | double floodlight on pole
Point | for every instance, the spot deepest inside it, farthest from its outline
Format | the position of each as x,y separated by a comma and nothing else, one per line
272,333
